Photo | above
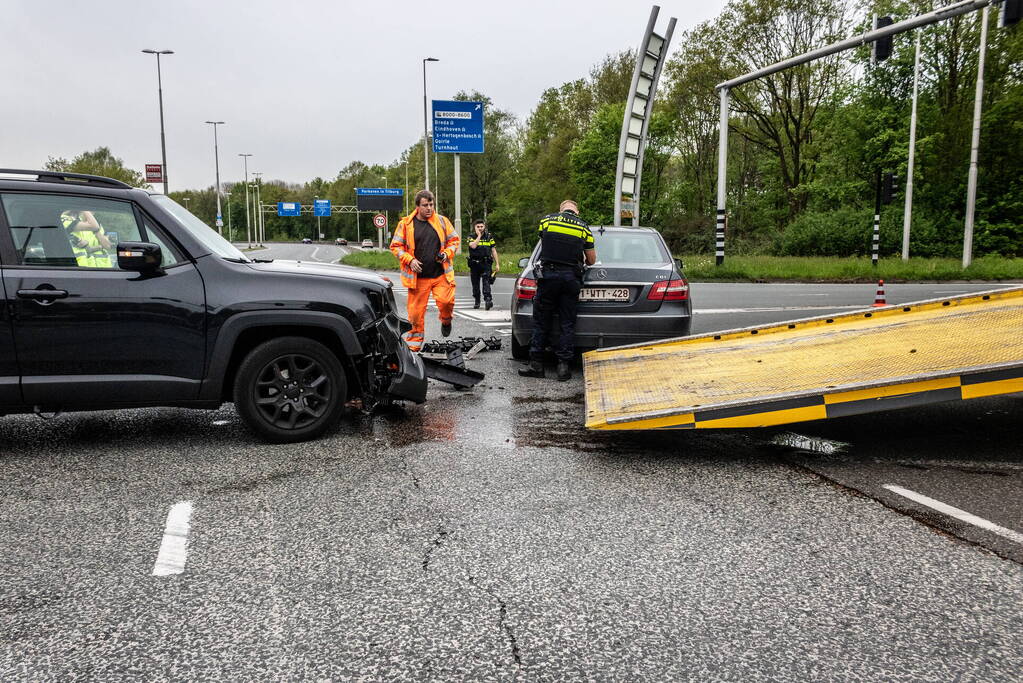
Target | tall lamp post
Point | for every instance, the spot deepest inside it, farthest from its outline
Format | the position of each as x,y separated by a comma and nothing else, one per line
260,237
230,229
216,161
387,220
159,85
248,218
426,134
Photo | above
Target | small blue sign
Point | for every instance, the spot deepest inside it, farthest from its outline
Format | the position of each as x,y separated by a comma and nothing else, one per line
321,207
457,127
289,209
380,191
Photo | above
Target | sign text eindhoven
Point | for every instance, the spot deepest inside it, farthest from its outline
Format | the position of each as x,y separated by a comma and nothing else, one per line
457,127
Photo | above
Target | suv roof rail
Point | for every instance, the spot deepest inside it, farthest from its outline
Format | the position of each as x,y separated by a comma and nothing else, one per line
62,177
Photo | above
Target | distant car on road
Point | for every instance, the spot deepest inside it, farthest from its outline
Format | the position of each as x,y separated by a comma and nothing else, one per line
367,244
341,241
636,292
306,240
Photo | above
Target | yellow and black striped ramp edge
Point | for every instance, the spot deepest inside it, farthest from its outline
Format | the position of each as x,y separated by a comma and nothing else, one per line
815,368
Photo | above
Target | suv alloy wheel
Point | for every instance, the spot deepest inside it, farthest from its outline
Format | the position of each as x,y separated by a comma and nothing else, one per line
290,389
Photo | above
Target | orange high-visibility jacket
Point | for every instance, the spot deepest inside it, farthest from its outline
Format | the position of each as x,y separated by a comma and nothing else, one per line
403,246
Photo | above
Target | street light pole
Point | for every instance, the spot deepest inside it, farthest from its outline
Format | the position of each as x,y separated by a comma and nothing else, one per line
315,197
971,187
216,160
159,85
426,134
387,220
230,229
248,218
260,236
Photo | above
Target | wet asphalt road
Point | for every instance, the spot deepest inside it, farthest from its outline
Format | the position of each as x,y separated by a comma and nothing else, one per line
487,535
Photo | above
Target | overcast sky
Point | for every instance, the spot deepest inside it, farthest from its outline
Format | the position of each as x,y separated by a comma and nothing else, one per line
304,86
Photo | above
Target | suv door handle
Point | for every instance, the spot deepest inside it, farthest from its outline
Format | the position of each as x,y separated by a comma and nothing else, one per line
43,296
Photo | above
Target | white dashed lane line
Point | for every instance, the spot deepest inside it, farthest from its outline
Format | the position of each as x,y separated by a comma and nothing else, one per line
174,549
961,515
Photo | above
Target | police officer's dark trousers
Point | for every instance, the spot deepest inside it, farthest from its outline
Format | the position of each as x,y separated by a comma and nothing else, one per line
556,292
480,271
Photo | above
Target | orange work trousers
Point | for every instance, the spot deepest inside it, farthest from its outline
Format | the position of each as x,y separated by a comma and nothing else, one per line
418,298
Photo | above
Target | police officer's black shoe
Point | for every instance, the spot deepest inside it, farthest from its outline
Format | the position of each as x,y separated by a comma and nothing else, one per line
535,369
490,304
445,329
477,304
564,371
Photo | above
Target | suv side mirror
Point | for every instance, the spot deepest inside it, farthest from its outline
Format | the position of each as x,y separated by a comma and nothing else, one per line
140,257
523,262
678,264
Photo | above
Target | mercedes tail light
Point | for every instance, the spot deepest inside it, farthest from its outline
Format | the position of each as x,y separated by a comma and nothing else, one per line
525,288
669,290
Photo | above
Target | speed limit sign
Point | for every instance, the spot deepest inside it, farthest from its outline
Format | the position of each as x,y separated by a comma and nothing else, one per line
380,220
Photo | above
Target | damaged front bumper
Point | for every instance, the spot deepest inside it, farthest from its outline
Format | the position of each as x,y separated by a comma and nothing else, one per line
395,372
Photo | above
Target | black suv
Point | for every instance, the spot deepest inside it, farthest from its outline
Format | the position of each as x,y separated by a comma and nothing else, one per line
118,298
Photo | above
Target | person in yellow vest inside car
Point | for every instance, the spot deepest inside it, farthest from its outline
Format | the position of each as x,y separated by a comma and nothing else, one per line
425,243
88,239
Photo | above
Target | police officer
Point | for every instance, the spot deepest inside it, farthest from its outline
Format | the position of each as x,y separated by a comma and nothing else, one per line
88,239
565,243
482,260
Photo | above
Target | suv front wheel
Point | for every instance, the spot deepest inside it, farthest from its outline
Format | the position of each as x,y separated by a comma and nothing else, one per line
290,389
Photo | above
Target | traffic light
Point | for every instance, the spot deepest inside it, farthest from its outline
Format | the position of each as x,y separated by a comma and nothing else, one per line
1012,12
881,49
889,185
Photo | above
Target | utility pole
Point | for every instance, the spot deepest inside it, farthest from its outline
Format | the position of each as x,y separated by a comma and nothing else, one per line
426,134
971,188
261,235
159,85
230,229
248,217
216,159
908,211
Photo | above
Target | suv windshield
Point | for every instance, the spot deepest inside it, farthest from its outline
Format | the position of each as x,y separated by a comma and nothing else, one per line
629,247
199,230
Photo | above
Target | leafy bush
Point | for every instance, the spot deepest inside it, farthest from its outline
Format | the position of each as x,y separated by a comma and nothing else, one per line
845,232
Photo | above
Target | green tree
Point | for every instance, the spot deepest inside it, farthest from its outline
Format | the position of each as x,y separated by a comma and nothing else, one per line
98,162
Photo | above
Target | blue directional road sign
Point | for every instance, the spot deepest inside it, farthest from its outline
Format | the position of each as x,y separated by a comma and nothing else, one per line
457,127
321,207
289,209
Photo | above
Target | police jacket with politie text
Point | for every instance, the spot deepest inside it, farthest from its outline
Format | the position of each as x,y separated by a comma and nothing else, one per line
563,238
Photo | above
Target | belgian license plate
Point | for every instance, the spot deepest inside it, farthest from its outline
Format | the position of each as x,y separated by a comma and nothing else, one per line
604,294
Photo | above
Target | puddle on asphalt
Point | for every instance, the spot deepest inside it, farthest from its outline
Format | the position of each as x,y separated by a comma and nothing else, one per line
490,417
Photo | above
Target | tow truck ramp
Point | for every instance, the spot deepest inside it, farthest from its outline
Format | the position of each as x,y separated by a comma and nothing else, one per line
870,360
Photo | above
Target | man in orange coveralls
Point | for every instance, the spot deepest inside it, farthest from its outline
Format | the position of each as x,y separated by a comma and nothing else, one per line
425,243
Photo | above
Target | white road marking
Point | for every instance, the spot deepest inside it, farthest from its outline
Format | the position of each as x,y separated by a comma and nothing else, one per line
313,257
961,515
485,316
174,549
221,423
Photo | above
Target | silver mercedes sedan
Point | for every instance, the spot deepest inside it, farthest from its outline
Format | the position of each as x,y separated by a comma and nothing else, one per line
635,292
